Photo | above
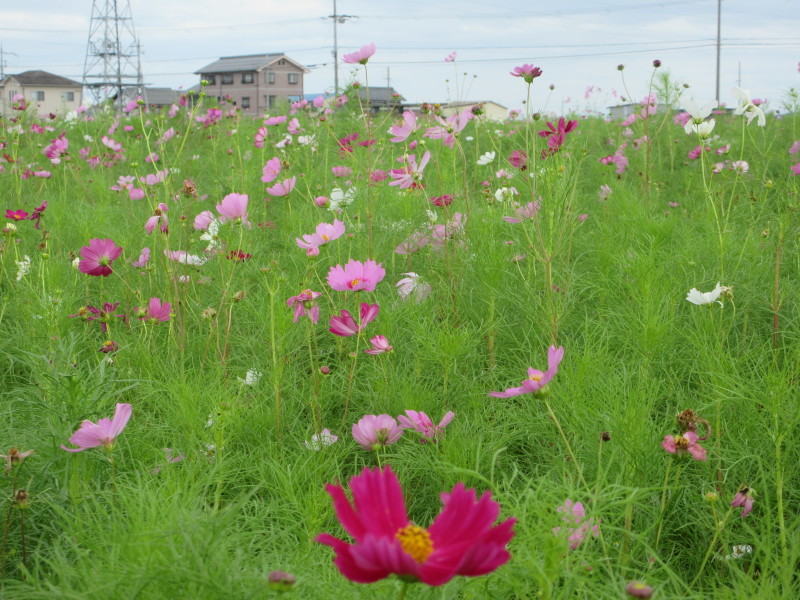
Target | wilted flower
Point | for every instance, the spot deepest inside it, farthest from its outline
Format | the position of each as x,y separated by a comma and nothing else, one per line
739,551
14,458
744,498
251,377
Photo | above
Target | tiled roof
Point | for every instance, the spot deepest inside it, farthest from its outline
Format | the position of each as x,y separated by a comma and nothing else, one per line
250,62
379,94
44,78
152,95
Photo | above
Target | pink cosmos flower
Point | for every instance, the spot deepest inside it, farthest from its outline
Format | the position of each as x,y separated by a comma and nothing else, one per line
283,188
556,135
204,220
37,214
524,212
462,540
234,208
271,170
697,152
380,345
442,201
681,444
275,120
518,160
527,72
744,498
305,305
17,215
97,257
154,178
412,173
536,381
160,215
795,147
345,326
372,432
157,311
402,132
355,276
293,127
144,258
360,56
325,233
342,171
136,193
449,128
420,422
575,516
260,136
450,57
795,169
103,433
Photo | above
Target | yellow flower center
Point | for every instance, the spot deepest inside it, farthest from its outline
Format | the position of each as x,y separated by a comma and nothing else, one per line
535,377
415,541
354,282
681,443
325,237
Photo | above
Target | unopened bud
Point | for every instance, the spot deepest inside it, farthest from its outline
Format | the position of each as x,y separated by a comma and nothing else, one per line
324,370
280,581
21,498
238,296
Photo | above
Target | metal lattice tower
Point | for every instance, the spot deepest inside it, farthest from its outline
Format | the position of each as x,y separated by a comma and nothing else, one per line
112,52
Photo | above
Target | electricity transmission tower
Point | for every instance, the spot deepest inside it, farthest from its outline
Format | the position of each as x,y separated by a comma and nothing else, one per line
112,52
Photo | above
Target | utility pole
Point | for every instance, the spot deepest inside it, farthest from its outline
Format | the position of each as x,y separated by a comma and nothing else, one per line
388,79
719,43
337,19
110,51
3,61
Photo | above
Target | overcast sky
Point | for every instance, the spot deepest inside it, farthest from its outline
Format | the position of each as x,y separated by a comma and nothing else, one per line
577,43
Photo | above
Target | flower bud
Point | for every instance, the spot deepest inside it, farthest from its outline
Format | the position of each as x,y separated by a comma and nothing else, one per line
656,63
21,498
324,370
238,296
280,581
638,589
711,497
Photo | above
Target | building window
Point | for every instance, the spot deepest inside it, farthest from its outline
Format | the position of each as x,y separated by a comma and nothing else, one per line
293,78
227,79
211,79
68,97
37,96
294,98
245,102
270,77
247,78
271,100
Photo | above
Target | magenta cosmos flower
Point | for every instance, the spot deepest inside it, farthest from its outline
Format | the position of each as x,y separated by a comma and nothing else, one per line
156,311
744,498
536,381
421,423
380,345
355,276
103,433
360,56
325,233
527,72
305,305
462,540
345,326
373,432
96,258
681,444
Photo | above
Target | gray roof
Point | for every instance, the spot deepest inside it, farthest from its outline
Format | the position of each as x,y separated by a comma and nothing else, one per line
379,94
152,95
460,103
250,62
44,78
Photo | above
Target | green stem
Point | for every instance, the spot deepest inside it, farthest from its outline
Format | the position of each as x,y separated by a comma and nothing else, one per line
717,531
664,488
566,443
403,591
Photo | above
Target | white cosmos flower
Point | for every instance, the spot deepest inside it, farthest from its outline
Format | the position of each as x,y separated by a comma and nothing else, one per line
320,440
700,298
487,158
23,267
412,285
505,193
699,113
702,129
739,551
340,199
251,378
746,107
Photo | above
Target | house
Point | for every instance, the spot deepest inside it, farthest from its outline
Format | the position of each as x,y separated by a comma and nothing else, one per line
154,97
380,98
44,92
491,110
255,82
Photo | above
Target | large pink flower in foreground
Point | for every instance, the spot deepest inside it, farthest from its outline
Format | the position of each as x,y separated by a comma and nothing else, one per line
355,276
96,258
326,232
103,433
536,380
462,540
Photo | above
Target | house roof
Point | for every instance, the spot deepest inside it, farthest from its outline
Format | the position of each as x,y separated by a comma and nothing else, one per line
249,62
455,104
44,78
152,95
379,94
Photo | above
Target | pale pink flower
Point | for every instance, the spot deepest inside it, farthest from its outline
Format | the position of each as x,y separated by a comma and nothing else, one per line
380,345
449,128
144,258
402,132
356,276
136,193
411,285
744,499
421,423
234,208
679,445
204,220
283,188
537,380
740,166
275,120
524,212
260,136
412,173
271,170
795,169
527,72
450,57
154,178
103,433
160,215
293,127
795,147
578,526
373,432
360,56
325,233
305,305
342,171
